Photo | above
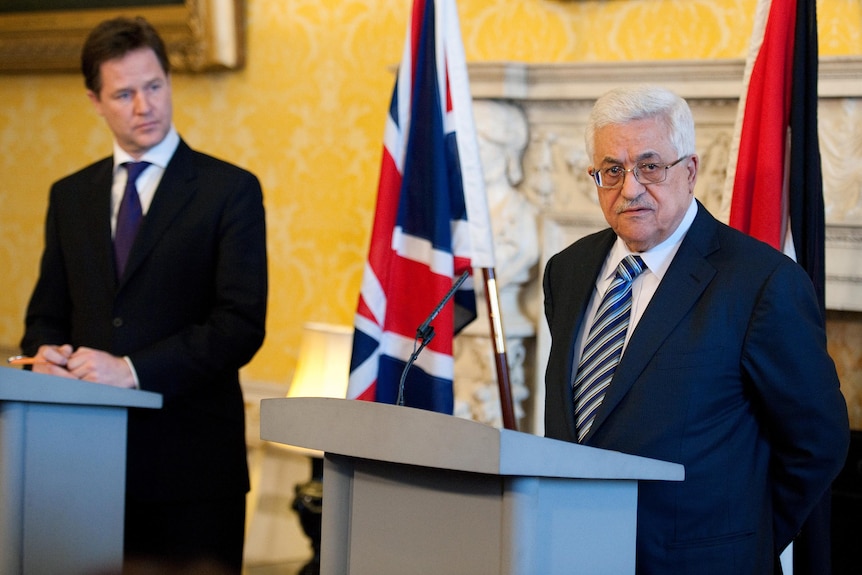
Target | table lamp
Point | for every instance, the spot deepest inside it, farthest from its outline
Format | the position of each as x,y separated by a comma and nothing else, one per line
323,370
323,367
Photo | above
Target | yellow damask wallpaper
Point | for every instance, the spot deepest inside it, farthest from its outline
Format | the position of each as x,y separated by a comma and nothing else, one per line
307,115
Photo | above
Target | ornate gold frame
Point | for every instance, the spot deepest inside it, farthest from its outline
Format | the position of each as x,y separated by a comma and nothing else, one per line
200,35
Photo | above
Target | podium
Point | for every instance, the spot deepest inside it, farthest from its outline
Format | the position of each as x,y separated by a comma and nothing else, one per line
63,473
412,491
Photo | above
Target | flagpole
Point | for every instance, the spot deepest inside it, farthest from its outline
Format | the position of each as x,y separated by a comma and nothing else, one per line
500,358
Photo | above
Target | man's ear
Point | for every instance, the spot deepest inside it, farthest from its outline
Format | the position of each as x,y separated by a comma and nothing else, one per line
693,166
94,99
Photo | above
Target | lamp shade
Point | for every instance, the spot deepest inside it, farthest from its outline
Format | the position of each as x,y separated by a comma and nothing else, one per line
323,368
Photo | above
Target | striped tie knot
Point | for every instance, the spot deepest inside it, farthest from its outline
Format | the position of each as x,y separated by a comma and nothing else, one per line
604,346
630,267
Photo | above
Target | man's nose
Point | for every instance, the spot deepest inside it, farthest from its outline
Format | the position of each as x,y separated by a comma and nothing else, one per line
631,187
142,103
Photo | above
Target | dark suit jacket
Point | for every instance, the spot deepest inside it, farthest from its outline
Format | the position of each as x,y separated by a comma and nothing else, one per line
726,373
189,312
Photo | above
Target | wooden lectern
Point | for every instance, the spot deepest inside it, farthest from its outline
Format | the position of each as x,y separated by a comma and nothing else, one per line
411,491
63,473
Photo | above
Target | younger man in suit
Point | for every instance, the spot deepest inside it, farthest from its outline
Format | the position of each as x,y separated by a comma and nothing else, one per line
176,308
723,361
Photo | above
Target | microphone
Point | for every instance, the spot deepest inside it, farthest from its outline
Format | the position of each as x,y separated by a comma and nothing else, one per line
425,332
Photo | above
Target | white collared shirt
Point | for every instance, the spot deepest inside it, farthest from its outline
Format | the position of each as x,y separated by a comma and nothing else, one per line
657,259
158,156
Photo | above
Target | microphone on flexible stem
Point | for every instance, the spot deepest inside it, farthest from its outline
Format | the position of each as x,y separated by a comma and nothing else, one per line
425,332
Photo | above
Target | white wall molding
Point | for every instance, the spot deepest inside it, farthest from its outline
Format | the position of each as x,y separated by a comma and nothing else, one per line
839,77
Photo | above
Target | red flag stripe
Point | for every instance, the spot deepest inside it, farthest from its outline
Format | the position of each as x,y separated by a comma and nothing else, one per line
759,204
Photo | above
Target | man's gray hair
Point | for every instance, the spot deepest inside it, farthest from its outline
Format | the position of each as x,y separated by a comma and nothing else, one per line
623,105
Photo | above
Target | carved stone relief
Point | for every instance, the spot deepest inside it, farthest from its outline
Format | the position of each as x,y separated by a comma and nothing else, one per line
503,136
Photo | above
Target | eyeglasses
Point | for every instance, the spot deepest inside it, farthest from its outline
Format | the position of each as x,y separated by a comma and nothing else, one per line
644,172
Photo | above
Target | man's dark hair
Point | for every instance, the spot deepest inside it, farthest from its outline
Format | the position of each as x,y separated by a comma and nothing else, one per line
114,39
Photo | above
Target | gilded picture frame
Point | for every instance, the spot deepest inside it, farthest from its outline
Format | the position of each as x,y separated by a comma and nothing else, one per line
201,35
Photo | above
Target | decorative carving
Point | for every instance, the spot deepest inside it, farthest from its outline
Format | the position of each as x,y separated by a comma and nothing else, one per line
503,136
477,395
840,151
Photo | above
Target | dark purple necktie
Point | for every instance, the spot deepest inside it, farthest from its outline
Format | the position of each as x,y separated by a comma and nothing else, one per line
129,217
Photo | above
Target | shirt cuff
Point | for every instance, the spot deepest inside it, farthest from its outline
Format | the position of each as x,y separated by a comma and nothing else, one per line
134,373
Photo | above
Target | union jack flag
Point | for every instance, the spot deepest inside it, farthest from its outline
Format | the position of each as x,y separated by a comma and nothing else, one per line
431,222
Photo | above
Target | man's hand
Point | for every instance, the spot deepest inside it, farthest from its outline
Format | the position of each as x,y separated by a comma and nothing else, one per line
52,359
100,367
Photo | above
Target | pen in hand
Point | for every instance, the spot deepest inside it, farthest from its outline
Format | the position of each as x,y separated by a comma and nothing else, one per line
24,360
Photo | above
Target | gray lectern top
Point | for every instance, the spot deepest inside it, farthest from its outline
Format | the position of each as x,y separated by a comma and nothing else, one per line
63,472
25,386
397,434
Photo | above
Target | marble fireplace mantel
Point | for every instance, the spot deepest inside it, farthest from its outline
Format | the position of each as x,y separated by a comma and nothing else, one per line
839,77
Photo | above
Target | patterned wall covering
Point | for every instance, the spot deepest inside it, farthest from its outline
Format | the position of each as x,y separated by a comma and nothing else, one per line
307,115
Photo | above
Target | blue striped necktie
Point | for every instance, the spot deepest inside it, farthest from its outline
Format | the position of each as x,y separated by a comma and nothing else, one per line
129,216
604,344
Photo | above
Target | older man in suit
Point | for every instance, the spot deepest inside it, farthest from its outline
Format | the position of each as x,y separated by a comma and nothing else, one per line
716,358
176,307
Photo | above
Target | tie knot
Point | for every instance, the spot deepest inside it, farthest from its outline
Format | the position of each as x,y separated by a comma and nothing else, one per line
134,169
630,267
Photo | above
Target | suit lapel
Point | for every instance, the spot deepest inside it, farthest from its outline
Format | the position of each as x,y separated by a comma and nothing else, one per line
583,282
176,188
687,277
95,209
570,304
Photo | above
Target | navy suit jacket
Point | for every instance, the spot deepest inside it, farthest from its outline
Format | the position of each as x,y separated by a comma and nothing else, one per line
189,312
726,373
